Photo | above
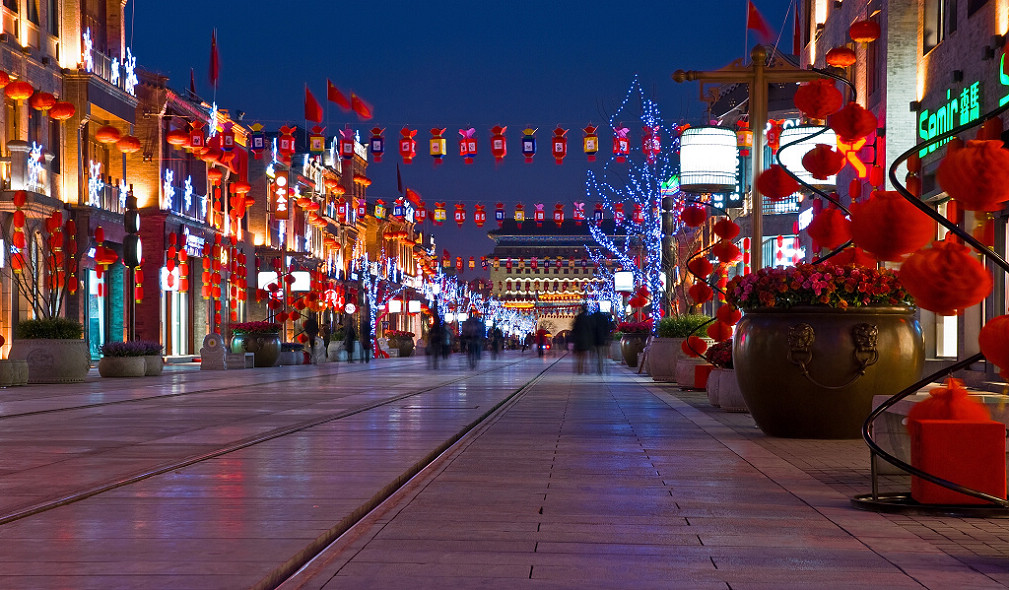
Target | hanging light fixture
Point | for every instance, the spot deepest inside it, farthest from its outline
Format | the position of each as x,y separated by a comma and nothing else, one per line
791,155
708,160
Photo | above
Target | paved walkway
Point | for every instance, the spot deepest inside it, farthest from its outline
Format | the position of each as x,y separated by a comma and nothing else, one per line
581,481
621,483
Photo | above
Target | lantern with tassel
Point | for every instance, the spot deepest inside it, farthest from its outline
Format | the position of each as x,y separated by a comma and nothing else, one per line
590,143
408,145
621,144
376,145
498,145
467,144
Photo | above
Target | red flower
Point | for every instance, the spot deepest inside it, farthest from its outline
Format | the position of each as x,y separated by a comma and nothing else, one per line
889,226
945,278
976,175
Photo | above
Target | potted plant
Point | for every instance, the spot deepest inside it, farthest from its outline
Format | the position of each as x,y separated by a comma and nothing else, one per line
262,339
664,352
53,348
153,361
723,389
634,335
401,339
123,359
816,342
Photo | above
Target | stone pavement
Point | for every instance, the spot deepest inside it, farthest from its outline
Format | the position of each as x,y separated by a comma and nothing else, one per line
618,482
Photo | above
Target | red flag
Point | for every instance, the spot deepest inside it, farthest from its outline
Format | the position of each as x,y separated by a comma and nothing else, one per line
413,197
313,110
215,62
360,107
755,21
333,94
399,180
192,83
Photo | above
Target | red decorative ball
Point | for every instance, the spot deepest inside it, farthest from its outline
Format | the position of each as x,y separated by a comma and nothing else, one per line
888,226
945,278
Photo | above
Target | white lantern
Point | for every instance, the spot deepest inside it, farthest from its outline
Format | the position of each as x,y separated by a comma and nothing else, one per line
791,155
708,160
413,306
449,317
605,306
461,317
623,281
395,306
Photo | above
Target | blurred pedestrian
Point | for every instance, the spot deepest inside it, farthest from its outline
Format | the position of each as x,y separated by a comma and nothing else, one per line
602,331
349,339
366,342
435,342
541,341
583,338
311,328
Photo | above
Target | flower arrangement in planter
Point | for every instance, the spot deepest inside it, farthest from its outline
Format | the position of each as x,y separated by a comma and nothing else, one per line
398,334
152,357
837,286
123,359
261,338
720,354
261,327
681,326
125,349
624,328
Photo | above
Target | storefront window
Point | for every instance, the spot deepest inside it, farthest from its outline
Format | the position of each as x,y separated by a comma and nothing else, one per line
96,315
175,323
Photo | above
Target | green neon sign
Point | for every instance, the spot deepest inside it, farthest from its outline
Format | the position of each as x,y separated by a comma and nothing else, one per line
957,110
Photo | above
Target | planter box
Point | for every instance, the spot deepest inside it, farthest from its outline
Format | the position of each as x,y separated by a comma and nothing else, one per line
153,364
53,361
969,453
663,354
122,366
13,373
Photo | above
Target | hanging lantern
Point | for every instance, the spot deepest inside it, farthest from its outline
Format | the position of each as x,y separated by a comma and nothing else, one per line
726,252
775,127
744,137
693,216
559,145
467,144
42,101
106,134
597,214
800,141
579,213
520,214
437,145
407,144
177,137
976,175
864,31
818,99
840,57
529,144
638,214
994,342
726,229
499,214
559,214
380,209
460,214
376,145
708,160
498,145
439,213
362,207
618,213
479,215
776,184
651,144
398,209
829,228
196,138
700,267
621,144
19,90
853,122
590,143
823,161
420,213
888,226
945,278
539,215
472,263
341,210
61,111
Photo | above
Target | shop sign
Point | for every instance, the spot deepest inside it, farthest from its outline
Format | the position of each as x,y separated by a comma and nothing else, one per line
193,243
958,109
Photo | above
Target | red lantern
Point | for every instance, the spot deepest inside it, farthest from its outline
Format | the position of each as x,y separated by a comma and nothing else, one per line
438,145
362,207
719,331
841,57
61,111
818,99
196,139
618,213
214,175
889,227
726,251
829,228
694,346
638,214
700,293
42,101
976,175
460,214
729,314
467,144
498,145
539,215
621,144
700,267
559,214
651,144
852,123
726,229
420,214
776,184
439,213
19,90
823,161
590,143
693,216
559,145
408,145
945,278
775,127
864,31
579,213
597,214
345,145
994,341
479,215
106,134
176,137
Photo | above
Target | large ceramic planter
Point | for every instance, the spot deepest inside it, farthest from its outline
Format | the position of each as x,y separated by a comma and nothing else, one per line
662,356
811,372
52,360
615,353
153,365
723,390
265,347
122,366
405,346
630,346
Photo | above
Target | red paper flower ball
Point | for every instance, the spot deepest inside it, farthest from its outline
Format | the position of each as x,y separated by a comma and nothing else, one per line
726,251
841,57
945,278
888,226
700,266
976,175
729,314
776,184
853,122
700,293
823,161
694,346
994,341
864,31
818,99
829,228
719,331
726,229
854,255
693,216
949,402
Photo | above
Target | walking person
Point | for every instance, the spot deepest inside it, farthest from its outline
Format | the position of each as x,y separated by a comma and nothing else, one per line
583,339
366,342
602,331
349,339
311,328
435,341
541,342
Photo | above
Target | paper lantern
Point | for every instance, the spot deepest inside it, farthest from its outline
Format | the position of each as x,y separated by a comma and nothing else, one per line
177,137
726,251
559,145
994,341
888,226
19,90
437,145
700,293
376,145
407,145
621,144
693,216
651,144
539,215
776,184
439,213
945,278
42,101
829,228
840,57
719,331
498,145
529,144
107,134
520,214
479,215
948,402
214,175
460,214
700,267
823,161
864,31
818,99
590,143
729,314
559,214
976,175
129,144
853,122
726,229
694,346
467,145
62,111
4,80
